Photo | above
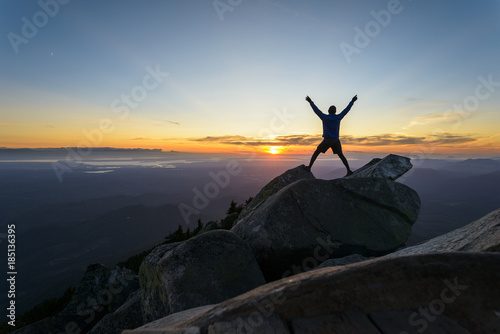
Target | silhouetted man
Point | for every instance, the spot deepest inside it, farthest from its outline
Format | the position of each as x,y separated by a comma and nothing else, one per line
331,127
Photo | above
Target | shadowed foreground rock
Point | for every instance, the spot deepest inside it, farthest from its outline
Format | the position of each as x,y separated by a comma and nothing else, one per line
436,293
129,315
343,261
206,269
101,291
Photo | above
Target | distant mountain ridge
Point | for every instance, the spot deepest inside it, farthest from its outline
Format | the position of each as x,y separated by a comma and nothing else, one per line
480,162
483,166
76,149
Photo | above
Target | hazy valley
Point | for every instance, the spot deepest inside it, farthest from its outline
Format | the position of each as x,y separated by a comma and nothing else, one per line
116,205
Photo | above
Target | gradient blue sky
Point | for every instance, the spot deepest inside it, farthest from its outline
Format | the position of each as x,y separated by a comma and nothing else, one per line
228,78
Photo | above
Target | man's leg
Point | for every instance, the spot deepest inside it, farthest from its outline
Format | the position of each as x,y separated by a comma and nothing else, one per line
337,149
346,164
344,160
313,159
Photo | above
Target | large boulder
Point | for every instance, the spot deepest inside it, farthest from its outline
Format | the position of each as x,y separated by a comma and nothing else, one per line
100,291
205,269
483,235
150,279
311,220
391,167
275,185
436,293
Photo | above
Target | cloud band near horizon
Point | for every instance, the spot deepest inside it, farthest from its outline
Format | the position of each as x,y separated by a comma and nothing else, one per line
312,140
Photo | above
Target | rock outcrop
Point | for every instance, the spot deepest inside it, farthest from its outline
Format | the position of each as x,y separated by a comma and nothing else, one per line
207,269
391,167
311,220
437,293
129,315
276,184
101,291
483,235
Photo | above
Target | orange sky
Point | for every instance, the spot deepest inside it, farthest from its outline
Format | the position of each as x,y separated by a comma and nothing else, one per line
300,144
196,83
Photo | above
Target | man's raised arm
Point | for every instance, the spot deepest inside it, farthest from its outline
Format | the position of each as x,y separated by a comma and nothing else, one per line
346,110
314,108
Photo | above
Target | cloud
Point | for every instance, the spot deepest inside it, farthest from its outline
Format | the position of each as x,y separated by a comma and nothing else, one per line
141,138
382,140
436,118
230,140
448,138
297,140
412,99
167,121
452,114
389,139
312,140
220,138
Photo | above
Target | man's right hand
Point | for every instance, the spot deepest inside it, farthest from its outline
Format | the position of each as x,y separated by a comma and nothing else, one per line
354,98
308,99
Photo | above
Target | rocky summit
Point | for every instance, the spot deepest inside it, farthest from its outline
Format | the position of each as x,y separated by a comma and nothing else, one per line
311,220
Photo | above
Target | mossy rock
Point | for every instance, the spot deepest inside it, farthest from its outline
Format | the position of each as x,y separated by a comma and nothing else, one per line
206,269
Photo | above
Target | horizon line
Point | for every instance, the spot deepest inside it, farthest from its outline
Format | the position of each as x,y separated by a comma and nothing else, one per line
414,155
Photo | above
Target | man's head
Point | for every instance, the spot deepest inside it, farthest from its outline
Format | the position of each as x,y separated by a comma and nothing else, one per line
332,110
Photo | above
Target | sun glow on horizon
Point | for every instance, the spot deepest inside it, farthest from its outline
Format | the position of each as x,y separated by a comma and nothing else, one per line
275,150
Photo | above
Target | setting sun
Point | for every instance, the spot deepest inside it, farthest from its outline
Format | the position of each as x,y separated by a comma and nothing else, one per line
275,149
